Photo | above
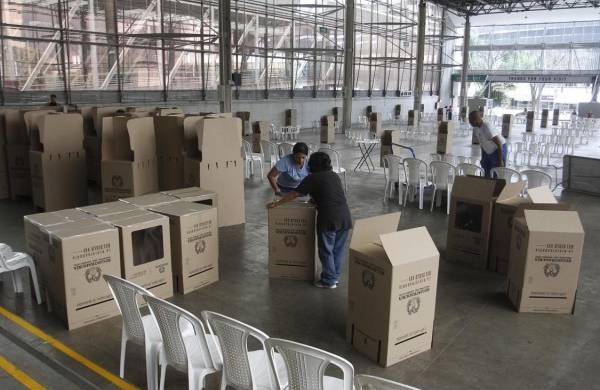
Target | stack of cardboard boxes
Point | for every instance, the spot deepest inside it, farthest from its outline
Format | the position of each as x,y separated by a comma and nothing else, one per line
57,161
157,241
129,163
392,289
536,241
327,129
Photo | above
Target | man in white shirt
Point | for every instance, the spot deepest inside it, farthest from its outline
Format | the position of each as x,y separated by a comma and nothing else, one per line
493,145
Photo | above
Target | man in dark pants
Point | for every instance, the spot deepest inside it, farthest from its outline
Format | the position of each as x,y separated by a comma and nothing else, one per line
493,145
333,218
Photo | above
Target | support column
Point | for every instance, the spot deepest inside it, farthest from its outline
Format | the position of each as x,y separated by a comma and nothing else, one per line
465,65
420,57
595,89
225,55
349,35
441,55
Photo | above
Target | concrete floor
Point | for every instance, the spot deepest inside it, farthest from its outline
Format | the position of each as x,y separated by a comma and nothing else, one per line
480,342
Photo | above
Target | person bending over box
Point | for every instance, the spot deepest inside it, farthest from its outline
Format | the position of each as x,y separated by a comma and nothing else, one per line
289,171
333,218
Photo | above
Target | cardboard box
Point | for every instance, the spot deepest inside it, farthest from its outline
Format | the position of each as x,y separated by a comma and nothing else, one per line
217,166
337,113
129,166
392,285
169,150
98,115
195,195
260,132
507,124
291,117
445,137
545,259
544,120
107,209
463,114
471,211
327,129
411,118
555,117
388,138
79,255
440,114
507,204
194,244
145,250
529,124
31,119
58,164
150,200
397,111
375,121
292,241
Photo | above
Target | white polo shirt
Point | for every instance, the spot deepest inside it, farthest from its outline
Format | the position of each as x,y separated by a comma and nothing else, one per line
485,133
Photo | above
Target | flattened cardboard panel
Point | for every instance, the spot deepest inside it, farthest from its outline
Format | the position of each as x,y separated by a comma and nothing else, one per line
219,139
367,230
98,114
61,133
141,138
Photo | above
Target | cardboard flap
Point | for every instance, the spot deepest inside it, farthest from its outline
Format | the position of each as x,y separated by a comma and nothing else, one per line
115,139
220,139
367,230
31,118
98,114
16,133
408,245
541,195
553,221
477,188
169,135
190,136
61,133
141,138
520,212
511,191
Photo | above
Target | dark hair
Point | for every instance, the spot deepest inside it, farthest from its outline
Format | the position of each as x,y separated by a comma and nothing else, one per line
300,147
319,162
474,114
53,96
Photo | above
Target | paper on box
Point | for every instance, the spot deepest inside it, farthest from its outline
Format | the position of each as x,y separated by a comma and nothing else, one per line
545,259
292,241
107,209
391,290
194,244
150,200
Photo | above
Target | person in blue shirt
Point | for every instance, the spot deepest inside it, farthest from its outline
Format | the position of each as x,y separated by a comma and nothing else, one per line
289,171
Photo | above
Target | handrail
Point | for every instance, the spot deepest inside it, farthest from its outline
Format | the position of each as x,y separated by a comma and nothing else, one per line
412,151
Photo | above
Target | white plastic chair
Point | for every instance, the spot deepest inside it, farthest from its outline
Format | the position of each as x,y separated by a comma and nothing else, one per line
137,327
508,174
442,178
415,174
306,366
534,178
391,173
243,369
271,151
466,169
252,158
184,352
285,148
369,382
463,160
12,261
335,164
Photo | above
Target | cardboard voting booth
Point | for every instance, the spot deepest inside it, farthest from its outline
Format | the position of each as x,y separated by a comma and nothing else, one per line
107,209
529,121
292,241
260,132
507,124
445,137
129,165
545,259
544,120
194,244
555,117
216,165
169,134
327,129
411,118
150,200
507,204
57,162
440,114
397,111
388,138
375,121
392,285
291,117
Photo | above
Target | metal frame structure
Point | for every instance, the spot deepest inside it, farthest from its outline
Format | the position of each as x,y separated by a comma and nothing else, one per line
485,7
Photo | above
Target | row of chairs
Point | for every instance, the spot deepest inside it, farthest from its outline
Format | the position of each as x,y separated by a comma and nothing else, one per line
284,133
440,175
216,343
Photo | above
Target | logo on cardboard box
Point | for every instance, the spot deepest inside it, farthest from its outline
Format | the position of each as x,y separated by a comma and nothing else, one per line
93,274
290,241
200,247
368,279
413,305
117,181
551,270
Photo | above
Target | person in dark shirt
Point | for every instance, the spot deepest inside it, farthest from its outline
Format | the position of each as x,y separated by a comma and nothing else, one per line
52,102
333,218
